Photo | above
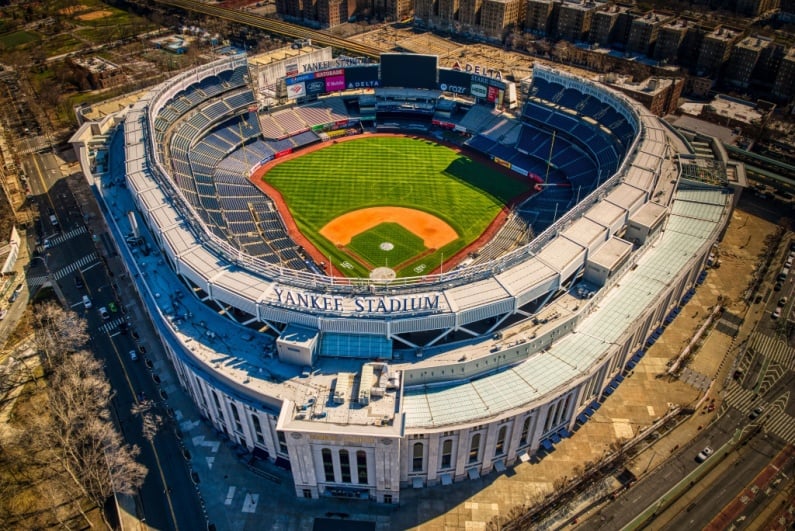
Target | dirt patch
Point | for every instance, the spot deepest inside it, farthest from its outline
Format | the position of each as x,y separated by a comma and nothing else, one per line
94,15
435,232
258,180
71,10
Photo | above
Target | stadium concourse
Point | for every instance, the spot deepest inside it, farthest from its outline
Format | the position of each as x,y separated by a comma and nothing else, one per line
365,387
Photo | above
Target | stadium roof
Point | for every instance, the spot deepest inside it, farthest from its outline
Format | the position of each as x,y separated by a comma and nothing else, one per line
694,218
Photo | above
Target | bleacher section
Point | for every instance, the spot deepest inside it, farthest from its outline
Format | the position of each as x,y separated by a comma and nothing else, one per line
212,150
289,122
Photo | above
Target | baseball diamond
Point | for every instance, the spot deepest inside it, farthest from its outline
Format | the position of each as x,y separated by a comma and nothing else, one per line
443,196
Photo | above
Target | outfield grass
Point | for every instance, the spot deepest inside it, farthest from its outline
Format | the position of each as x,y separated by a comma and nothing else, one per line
392,171
405,245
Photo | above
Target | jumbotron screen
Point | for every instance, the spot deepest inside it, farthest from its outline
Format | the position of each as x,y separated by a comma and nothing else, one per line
408,70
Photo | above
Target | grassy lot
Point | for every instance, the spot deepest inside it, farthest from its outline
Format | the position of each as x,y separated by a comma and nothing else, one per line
15,39
392,171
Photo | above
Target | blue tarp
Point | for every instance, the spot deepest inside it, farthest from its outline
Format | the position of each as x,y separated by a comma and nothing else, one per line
565,433
582,418
555,438
547,445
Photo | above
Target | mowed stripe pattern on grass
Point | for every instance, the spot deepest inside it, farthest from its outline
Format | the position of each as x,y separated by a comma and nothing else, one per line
405,245
388,171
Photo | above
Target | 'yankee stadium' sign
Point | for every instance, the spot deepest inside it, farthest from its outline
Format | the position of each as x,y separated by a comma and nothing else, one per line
336,303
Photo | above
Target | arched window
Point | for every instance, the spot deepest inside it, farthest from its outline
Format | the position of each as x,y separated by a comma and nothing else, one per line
328,464
525,431
416,462
361,467
345,466
499,449
474,448
447,453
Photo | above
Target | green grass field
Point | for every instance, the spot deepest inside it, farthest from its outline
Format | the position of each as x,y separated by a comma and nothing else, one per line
392,171
405,245
15,39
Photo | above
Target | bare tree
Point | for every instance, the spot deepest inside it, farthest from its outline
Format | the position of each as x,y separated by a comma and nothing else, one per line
77,428
58,331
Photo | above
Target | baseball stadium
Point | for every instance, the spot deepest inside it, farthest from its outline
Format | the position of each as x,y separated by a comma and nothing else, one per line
397,275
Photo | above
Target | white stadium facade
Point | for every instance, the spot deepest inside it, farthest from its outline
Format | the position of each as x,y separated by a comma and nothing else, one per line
365,387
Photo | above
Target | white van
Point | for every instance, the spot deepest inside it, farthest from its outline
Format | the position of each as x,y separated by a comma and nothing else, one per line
86,302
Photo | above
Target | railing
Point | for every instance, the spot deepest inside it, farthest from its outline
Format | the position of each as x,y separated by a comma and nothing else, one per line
334,284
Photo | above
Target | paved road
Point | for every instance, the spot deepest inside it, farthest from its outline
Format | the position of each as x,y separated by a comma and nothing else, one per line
655,485
71,254
730,482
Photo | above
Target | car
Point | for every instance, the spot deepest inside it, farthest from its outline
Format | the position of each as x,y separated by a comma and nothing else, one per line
704,454
782,276
756,412
133,355
3,313
776,313
112,307
13,297
53,220
86,302
788,263
79,284
782,301
47,243
778,286
103,312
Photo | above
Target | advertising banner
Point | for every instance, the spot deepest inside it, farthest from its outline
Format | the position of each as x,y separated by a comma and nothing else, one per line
299,79
335,83
454,81
357,77
296,91
329,73
502,162
517,169
493,94
314,87
478,90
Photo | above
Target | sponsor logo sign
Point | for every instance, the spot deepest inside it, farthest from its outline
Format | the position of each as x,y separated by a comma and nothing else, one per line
296,91
453,88
299,79
478,70
316,86
493,93
363,84
335,83
291,69
478,90
330,73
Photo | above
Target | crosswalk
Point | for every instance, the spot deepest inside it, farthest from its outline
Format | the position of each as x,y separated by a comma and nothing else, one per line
81,263
773,348
775,358
63,237
773,419
108,327
84,263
